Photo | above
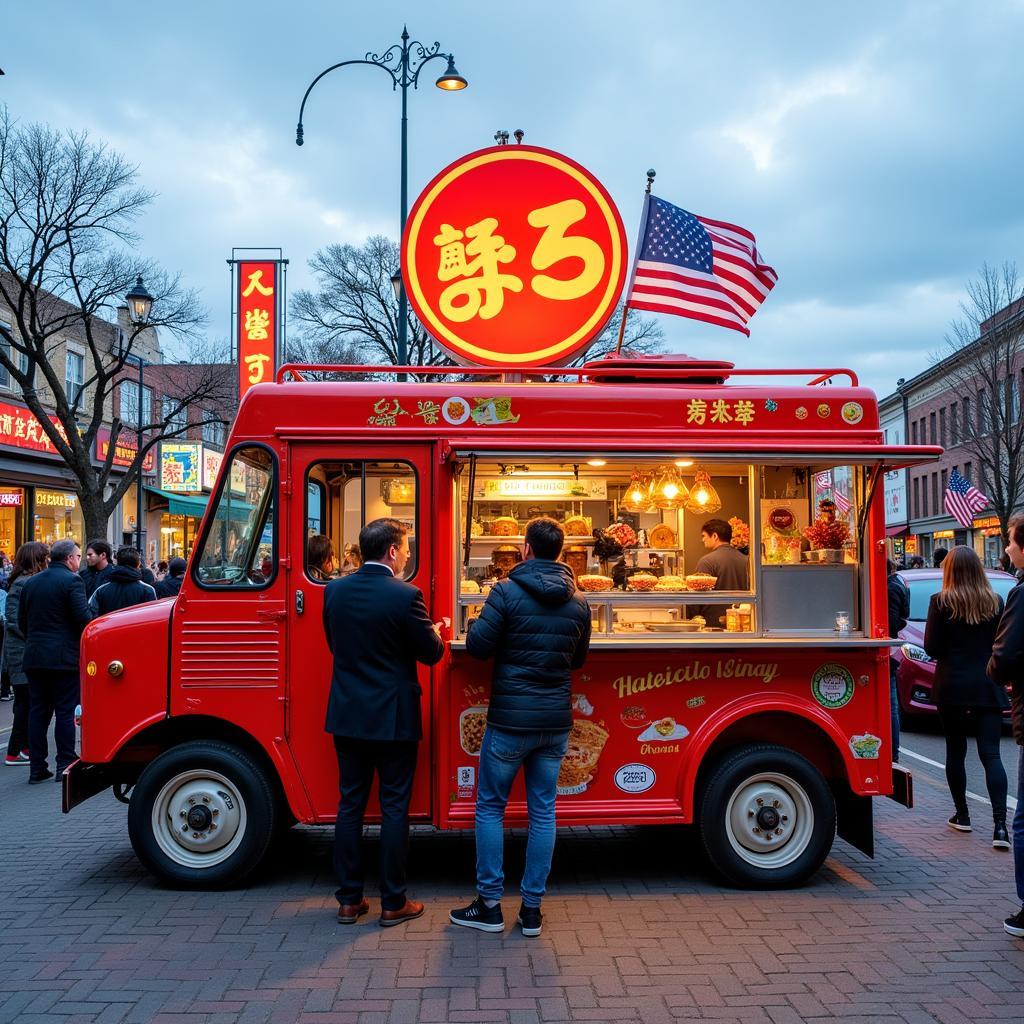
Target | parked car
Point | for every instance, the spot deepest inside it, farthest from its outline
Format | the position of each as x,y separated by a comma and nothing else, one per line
916,670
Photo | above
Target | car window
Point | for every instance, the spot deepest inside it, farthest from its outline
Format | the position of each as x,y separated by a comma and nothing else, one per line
921,592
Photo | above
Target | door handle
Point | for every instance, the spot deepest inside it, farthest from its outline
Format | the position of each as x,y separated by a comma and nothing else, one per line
271,614
300,602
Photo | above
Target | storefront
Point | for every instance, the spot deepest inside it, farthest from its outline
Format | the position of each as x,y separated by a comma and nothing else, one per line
188,472
988,541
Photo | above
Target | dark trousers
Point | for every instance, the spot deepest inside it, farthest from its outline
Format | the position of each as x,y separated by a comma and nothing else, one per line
395,764
987,725
19,730
51,693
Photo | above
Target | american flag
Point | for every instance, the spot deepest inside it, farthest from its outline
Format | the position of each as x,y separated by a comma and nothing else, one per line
962,500
699,268
843,505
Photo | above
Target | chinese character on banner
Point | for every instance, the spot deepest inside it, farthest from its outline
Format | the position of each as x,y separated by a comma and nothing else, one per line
258,319
508,236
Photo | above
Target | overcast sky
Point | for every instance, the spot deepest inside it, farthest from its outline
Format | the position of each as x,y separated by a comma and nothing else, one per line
874,149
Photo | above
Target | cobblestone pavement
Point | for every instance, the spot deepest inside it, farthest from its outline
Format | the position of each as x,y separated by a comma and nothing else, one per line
635,930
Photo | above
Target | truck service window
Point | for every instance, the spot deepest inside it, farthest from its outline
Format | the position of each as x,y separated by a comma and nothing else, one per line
238,548
341,497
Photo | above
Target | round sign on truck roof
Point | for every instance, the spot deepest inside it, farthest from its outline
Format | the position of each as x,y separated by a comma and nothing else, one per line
514,255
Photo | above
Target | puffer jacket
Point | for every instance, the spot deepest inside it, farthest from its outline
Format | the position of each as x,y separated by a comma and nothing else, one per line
124,588
14,641
1006,666
536,626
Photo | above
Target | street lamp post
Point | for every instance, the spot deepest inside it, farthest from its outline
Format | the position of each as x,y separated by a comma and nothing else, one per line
140,304
403,62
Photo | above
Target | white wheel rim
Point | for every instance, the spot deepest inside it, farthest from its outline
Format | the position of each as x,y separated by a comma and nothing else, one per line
199,818
775,800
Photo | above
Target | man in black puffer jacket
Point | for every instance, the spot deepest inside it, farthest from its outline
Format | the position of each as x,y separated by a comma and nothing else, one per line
536,626
124,586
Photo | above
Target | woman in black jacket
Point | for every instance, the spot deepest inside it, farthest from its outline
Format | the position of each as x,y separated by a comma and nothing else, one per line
962,622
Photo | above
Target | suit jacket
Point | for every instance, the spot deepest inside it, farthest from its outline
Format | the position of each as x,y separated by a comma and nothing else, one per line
1006,666
52,613
377,628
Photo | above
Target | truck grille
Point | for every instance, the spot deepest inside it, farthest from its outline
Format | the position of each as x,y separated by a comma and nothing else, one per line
231,654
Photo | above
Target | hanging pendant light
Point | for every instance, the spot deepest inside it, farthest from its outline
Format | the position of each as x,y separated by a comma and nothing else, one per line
636,497
669,491
703,496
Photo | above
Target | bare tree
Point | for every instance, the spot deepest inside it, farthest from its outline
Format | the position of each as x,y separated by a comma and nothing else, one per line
67,214
353,314
984,350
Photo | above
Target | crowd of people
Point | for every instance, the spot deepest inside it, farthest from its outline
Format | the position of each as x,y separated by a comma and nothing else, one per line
48,598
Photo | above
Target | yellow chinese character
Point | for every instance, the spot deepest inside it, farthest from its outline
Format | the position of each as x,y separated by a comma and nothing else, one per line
256,365
481,295
256,323
428,410
696,411
256,284
554,247
720,411
19,427
744,411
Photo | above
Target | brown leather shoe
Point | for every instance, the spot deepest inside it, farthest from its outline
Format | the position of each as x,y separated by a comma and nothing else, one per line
349,913
412,909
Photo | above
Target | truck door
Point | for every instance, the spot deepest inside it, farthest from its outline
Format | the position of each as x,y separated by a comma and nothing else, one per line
337,488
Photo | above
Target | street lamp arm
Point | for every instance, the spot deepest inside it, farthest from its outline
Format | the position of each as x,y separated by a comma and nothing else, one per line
426,58
327,71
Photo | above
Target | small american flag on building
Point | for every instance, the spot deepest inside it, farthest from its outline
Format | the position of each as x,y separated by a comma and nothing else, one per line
697,267
962,500
843,505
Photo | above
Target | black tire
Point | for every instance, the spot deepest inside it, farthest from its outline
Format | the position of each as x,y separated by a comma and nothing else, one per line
207,786
795,800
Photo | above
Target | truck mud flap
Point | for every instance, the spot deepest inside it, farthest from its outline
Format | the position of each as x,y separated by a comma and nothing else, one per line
902,786
82,780
855,821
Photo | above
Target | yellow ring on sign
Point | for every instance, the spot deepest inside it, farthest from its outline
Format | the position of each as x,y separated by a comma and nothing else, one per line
610,294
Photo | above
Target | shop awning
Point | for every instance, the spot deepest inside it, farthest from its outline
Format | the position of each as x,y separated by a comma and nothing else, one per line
897,531
182,504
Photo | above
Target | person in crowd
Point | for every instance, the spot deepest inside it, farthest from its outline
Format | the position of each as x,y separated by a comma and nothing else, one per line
171,583
29,559
125,587
962,621
351,559
899,613
937,557
99,564
916,562
6,692
52,613
724,562
161,570
536,626
1006,668
320,557
377,629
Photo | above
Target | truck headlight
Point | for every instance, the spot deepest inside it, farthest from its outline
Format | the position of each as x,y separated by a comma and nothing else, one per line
78,715
915,653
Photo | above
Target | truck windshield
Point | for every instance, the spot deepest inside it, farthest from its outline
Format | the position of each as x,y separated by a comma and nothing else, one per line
238,548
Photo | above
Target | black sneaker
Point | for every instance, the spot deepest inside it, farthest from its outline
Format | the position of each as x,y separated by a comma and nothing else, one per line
1015,925
961,822
44,776
530,919
480,916
1000,837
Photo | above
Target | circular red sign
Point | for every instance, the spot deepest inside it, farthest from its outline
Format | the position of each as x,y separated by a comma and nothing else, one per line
782,519
514,255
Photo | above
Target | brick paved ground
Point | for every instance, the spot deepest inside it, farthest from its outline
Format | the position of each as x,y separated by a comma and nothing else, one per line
636,930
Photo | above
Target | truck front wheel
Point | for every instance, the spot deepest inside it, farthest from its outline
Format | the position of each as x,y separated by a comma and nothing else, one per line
202,815
767,818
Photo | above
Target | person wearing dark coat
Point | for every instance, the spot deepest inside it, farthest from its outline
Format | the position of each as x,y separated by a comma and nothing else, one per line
99,564
899,612
536,625
171,583
29,559
1006,668
124,588
377,629
961,627
52,613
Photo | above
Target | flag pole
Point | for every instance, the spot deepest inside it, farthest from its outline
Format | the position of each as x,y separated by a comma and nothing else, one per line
651,174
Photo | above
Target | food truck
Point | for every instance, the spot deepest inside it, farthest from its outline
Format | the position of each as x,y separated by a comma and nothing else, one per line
760,715
753,704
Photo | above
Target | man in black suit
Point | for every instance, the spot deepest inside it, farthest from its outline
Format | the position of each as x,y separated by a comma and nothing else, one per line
377,628
52,613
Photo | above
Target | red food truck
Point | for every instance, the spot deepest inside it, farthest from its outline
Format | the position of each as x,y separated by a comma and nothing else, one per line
759,714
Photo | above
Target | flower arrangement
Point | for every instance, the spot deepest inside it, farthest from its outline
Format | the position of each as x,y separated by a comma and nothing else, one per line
827,532
740,532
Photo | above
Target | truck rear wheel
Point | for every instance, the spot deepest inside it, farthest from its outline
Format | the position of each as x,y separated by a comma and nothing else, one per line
202,815
767,818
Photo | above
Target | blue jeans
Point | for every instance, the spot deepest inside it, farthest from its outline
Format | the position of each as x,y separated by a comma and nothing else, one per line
1018,830
502,754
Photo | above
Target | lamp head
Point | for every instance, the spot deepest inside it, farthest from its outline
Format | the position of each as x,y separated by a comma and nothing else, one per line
451,80
140,302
